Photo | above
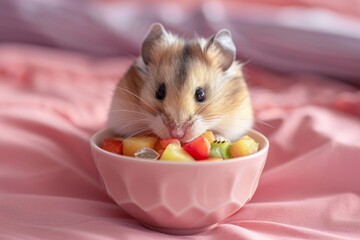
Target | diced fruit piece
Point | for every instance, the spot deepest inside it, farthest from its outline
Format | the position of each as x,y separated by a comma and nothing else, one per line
133,144
165,142
161,144
176,153
198,149
215,152
157,146
113,145
160,151
224,147
171,149
244,146
147,153
209,135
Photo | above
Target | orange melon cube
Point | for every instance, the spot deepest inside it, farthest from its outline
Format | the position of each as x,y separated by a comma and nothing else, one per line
132,144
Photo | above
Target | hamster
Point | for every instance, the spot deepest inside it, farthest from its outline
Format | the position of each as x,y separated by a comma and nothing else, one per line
179,88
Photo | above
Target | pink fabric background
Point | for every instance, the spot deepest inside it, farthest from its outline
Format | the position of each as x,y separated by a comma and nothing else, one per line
52,101
317,36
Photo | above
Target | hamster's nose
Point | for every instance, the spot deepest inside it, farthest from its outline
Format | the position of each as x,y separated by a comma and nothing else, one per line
177,132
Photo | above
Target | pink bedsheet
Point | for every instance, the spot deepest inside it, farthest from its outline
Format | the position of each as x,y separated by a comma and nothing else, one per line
51,102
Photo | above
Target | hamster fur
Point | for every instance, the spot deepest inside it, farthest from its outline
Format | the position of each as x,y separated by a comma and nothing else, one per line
180,88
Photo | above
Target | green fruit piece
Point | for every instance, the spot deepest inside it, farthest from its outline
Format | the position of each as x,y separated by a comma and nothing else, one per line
224,148
215,152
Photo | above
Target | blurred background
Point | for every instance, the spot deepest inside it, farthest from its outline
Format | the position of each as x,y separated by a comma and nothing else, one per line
315,36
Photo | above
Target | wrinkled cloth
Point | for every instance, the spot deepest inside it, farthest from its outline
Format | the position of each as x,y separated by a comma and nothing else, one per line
52,101
314,36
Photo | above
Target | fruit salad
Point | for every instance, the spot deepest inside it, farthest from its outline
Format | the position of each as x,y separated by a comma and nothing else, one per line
205,147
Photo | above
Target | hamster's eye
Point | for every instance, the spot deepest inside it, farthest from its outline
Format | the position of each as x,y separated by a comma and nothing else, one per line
161,92
200,95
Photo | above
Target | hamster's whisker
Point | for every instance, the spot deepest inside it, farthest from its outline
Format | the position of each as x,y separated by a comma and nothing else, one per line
241,118
212,117
243,106
216,129
138,97
220,114
130,111
163,130
131,120
123,126
246,62
210,120
126,104
137,132
264,123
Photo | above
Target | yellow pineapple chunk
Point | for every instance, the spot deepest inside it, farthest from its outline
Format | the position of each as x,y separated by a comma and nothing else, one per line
243,147
209,135
176,153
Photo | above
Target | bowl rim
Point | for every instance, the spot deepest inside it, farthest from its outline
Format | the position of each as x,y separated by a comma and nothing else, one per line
263,150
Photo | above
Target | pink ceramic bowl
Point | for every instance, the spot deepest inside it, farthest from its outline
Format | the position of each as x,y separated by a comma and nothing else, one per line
179,198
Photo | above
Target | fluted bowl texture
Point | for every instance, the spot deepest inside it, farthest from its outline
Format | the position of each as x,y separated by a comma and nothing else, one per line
179,198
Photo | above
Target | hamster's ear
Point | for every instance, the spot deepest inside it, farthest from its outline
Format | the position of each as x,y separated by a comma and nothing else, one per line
155,33
224,44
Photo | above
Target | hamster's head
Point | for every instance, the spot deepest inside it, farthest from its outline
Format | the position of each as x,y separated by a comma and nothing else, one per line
180,88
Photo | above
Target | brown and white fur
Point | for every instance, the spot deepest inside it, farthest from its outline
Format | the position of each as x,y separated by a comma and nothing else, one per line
183,66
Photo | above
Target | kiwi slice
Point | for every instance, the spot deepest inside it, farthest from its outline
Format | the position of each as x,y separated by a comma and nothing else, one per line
220,149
